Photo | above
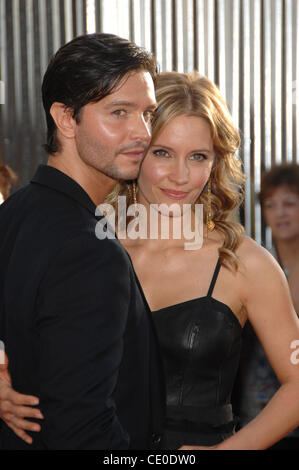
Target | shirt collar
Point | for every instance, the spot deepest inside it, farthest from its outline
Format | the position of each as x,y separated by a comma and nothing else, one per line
59,181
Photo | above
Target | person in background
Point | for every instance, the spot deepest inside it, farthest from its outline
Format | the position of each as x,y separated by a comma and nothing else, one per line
257,382
7,179
279,199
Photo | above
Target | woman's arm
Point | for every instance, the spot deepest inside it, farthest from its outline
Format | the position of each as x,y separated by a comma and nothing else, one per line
14,407
294,287
273,317
267,299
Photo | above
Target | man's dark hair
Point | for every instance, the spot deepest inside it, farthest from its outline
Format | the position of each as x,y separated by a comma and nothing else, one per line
87,69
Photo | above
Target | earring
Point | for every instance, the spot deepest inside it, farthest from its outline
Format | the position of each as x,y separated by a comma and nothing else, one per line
134,193
210,223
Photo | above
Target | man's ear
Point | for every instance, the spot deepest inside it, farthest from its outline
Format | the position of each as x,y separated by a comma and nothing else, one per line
63,118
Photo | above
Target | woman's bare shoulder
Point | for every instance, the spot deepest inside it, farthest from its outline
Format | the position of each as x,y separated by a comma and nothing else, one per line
257,260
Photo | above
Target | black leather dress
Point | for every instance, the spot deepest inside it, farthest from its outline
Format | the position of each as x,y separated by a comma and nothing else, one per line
200,341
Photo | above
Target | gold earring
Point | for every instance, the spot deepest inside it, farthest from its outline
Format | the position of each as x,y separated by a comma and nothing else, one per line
134,193
210,223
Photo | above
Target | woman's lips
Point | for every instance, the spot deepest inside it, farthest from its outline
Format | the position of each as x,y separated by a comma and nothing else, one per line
282,225
172,194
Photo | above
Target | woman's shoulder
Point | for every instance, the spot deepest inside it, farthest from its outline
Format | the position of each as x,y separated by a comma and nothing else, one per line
256,259
248,246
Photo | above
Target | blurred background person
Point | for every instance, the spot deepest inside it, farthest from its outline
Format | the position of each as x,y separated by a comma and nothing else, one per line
7,179
279,199
257,383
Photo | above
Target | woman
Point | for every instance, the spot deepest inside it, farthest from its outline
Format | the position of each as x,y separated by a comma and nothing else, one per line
279,198
280,204
201,298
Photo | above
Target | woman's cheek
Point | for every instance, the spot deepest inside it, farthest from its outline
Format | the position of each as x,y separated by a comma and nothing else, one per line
201,179
152,173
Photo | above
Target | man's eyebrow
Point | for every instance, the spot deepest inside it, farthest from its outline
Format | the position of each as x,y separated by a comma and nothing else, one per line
152,106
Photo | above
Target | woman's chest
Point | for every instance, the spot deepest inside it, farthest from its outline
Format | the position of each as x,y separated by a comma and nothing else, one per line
172,278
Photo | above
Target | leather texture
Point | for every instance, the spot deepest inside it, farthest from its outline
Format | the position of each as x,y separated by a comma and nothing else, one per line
200,341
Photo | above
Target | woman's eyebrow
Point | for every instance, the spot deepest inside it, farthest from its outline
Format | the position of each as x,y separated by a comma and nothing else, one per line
171,149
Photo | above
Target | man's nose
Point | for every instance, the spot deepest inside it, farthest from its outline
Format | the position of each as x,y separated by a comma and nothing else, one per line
141,129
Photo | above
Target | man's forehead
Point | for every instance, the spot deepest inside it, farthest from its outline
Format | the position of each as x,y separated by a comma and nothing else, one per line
133,87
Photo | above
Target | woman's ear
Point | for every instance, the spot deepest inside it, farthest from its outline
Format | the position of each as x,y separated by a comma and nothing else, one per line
63,118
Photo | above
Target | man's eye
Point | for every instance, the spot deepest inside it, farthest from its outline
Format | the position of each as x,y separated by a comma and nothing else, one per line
119,112
148,115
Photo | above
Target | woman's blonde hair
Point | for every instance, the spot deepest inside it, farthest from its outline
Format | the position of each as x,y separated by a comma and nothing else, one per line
7,179
194,95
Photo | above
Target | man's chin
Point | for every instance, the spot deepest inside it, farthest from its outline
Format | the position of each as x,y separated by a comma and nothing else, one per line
128,175
122,172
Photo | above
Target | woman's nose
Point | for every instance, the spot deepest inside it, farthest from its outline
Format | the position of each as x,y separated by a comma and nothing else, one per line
179,173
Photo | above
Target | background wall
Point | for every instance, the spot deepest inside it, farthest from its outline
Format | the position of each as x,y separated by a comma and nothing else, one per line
250,48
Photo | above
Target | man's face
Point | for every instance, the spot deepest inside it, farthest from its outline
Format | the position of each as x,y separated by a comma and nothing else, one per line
113,134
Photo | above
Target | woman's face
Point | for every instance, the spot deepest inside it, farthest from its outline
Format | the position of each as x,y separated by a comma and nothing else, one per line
281,211
178,163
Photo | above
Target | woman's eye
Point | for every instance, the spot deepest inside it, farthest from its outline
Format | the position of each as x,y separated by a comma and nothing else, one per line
161,153
290,204
198,156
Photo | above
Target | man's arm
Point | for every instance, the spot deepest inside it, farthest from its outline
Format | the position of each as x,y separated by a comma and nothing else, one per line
81,317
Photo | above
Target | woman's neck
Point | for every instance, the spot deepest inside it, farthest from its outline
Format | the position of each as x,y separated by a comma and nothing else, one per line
164,231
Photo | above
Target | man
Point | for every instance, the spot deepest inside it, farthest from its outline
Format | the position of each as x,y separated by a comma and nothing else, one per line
75,325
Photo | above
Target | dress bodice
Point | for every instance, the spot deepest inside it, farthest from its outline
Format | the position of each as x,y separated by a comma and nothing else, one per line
200,341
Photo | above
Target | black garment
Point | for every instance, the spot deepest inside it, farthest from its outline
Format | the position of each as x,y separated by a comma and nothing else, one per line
200,341
76,327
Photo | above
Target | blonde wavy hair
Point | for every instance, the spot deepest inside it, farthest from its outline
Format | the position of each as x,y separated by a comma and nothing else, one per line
194,95
7,179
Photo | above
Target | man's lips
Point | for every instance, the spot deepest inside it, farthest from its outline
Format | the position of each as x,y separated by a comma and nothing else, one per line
136,153
174,194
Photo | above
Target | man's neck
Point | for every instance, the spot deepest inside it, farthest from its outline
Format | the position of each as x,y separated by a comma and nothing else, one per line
95,184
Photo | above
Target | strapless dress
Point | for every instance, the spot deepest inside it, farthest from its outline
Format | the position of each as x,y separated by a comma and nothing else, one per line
200,342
